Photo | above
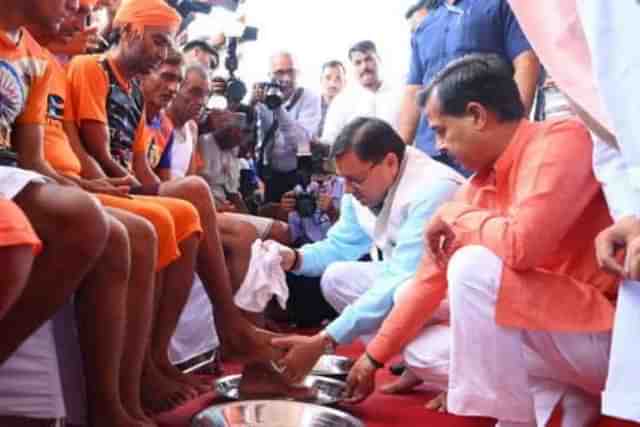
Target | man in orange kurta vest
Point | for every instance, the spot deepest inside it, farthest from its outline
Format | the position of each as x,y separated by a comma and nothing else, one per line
531,312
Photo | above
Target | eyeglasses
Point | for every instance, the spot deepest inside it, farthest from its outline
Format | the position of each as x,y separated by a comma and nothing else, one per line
358,183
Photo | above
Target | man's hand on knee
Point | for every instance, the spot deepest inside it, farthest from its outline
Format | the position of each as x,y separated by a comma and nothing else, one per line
614,238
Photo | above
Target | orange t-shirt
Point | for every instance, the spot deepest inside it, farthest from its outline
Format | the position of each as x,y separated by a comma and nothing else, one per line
24,81
89,88
88,92
57,149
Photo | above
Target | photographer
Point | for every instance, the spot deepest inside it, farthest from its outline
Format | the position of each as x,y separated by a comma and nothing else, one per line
284,131
313,210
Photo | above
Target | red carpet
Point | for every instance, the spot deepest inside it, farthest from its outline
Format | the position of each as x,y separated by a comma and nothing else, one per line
377,411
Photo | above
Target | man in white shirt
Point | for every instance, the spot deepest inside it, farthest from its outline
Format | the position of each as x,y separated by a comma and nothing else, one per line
370,96
332,82
296,121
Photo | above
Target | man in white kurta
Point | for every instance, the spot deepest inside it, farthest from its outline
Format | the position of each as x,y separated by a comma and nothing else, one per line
369,96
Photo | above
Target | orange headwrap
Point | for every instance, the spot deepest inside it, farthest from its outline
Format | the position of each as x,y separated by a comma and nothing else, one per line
89,3
147,13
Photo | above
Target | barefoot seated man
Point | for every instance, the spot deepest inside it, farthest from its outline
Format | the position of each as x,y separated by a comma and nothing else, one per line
531,312
108,109
85,248
391,191
66,155
175,100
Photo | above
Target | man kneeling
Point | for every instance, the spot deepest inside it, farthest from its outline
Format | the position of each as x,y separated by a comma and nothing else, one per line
531,312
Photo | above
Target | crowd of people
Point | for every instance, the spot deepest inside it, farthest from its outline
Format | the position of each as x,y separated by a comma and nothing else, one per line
473,219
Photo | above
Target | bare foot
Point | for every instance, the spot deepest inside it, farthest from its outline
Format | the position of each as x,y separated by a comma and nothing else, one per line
407,382
195,381
261,381
161,393
438,403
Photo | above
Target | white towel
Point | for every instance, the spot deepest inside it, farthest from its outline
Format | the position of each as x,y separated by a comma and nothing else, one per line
264,279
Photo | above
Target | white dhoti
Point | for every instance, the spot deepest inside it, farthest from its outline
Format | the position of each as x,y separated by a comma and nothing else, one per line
344,282
44,377
195,333
514,375
428,355
621,397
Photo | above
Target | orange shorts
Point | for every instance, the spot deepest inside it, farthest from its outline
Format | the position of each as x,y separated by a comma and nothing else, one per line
173,219
15,228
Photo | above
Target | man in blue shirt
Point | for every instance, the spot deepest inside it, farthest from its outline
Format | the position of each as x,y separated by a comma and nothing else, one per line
454,28
391,192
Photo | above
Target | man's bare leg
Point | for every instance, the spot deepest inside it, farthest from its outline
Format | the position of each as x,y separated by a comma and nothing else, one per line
237,238
178,280
74,231
101,310
236,334
160,393
16,265
139,309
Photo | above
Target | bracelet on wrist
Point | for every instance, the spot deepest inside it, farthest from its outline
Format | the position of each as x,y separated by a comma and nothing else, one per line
373,361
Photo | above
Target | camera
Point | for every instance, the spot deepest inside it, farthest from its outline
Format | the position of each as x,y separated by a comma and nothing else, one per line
236,89
306,202
273,96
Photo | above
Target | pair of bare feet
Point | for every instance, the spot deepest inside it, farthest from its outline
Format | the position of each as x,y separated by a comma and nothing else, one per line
407,382
165,387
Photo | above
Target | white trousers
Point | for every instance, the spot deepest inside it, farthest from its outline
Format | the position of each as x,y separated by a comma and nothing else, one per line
515,375
343,282
622,395
428,355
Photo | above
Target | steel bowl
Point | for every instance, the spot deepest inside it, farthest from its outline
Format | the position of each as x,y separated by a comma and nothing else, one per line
330,365
328,390
273,413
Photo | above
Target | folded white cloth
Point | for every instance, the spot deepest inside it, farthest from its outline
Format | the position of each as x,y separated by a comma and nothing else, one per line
265,278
